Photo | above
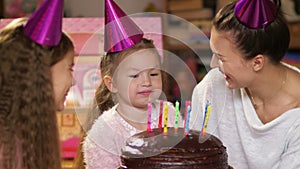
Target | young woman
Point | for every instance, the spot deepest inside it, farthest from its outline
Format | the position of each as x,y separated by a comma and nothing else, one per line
255,97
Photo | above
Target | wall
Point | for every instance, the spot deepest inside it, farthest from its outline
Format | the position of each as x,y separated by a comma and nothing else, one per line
95,8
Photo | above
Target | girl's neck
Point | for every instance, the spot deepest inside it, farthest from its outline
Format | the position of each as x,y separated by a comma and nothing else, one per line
132,115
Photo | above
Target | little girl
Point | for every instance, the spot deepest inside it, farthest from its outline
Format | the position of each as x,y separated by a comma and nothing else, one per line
131,78
133,84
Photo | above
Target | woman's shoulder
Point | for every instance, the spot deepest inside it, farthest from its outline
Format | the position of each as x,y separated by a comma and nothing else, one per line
293,84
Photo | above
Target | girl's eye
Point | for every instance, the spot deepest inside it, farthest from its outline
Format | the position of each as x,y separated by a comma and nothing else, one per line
153,74
134,76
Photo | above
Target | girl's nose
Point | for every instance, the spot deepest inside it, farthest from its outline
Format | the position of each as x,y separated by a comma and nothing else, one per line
146,80
214,61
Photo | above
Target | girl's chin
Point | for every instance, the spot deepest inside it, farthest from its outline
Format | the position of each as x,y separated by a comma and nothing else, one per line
145,100
141,105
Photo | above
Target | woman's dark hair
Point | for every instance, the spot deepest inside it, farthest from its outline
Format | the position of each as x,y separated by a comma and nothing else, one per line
272,40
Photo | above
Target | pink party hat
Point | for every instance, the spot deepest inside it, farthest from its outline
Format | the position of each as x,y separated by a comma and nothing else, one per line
45,24
255,14
120,31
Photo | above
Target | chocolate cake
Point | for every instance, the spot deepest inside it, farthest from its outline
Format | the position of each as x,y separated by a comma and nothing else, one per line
174,150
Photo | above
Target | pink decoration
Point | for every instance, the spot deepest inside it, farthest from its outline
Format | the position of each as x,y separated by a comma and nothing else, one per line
70,147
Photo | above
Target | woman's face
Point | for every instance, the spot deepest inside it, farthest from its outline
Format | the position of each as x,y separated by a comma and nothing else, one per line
62,79
230,61
138,79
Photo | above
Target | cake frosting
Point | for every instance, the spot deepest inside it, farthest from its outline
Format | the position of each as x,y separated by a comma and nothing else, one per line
174,150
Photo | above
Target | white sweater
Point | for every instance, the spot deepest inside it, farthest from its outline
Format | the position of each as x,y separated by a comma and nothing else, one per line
102,146
250,143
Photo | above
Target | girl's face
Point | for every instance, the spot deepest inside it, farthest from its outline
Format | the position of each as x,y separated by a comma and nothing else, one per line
237,71
62,79
138,79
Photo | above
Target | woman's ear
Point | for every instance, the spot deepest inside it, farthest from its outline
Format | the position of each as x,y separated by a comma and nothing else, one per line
258,62
109,84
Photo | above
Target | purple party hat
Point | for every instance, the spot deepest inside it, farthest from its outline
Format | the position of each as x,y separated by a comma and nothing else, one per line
255,14
45,24
120,31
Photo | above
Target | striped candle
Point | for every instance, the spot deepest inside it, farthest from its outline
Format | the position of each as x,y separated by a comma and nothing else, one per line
187,104
206,118
176,116
166,119
149,129
161,104
187,120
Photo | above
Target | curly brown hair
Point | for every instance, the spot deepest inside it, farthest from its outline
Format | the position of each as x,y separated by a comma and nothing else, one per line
28,127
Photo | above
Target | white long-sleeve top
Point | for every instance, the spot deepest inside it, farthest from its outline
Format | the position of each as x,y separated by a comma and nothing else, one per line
102,146
250,143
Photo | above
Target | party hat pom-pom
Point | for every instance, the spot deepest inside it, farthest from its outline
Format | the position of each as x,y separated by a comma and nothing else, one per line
255,14
120,31
45,24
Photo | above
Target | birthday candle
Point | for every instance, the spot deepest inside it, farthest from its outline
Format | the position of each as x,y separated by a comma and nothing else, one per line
206,120
160,114
205,112
166,119
187,104
187,120
176,116
149,129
